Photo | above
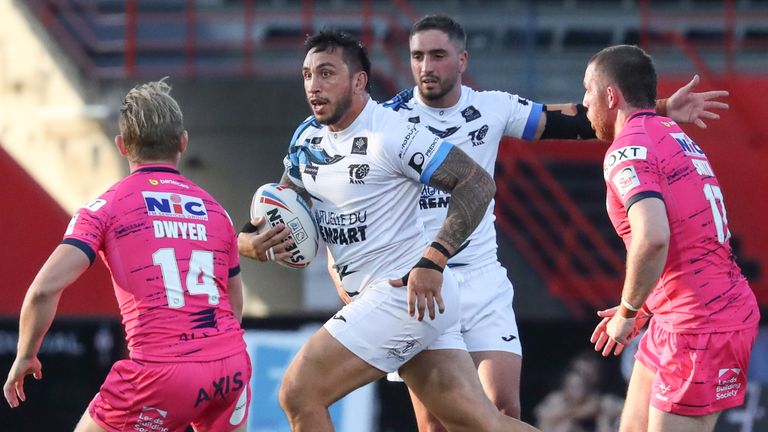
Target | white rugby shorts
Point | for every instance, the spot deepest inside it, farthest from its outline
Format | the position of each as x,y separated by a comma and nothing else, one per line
377,328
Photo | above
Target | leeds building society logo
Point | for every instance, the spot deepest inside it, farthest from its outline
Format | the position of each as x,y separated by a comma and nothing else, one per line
357,173
360,145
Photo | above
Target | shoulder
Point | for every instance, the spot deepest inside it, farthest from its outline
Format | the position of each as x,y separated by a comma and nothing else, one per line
305,128
402,101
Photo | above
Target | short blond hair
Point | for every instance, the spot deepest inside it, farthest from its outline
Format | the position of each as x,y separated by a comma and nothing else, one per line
151,122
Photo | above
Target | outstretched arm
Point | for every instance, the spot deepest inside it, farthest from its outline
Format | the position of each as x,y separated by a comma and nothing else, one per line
569,121
63,267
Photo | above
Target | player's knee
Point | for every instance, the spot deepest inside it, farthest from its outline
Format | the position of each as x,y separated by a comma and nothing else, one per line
292,396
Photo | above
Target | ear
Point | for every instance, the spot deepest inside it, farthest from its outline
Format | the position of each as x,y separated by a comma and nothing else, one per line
361,81
183,141
120,144
463,57
614,96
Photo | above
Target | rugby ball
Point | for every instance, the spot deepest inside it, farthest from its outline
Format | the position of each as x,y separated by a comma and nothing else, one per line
280,204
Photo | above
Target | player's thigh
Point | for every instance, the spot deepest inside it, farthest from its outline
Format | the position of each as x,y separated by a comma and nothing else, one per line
446,382
499,374
634,416
661,421
323,371
86,424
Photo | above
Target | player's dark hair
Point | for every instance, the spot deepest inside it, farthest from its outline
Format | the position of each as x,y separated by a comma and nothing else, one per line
151,122
354,52
632,70
445,24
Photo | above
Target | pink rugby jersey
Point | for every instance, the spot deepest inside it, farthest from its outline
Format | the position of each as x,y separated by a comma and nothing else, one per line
171,249
701,288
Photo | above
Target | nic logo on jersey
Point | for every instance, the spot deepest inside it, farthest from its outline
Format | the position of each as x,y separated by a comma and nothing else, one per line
174,205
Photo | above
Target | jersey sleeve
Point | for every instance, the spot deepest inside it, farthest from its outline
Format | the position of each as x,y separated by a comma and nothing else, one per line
87,228
632,174
523,116
293,159
418,152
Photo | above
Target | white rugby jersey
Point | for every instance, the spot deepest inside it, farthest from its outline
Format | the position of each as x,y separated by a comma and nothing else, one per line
363,182
476,124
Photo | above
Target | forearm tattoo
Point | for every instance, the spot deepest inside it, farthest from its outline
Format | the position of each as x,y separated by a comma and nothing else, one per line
285,180
471,188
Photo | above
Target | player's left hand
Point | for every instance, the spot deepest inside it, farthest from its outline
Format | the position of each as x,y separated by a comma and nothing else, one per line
14,385
687,106
424,286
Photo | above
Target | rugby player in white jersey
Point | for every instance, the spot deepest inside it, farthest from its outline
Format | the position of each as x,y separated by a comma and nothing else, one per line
362,167
476,121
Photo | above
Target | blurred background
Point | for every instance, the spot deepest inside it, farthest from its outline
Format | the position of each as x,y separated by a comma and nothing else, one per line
234,66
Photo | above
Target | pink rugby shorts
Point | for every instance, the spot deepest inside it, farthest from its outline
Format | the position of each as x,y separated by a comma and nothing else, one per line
166,397
697,374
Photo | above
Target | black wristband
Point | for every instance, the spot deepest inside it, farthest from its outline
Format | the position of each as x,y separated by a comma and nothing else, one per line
423,263
427,263
440,248
249,228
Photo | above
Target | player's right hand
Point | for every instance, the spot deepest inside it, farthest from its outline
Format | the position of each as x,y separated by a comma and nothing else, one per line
269,245
424,286
14,385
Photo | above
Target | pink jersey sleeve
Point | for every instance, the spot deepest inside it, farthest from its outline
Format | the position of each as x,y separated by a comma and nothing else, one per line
86,229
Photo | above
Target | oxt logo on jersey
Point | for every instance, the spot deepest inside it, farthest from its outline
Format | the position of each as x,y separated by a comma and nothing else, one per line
174,205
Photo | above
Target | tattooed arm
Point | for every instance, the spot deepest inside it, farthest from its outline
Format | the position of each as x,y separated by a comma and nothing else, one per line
472,189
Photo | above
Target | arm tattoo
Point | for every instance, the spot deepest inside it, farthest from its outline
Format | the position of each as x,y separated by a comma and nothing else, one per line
285,180
471,188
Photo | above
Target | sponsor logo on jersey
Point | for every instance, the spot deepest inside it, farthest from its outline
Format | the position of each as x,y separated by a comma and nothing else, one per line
728,383
151,419
360,145
523,101
416,162
688,146
357,173
155,182
95,205
446,133
341,235
509,338
414,120
626,180
311,170
407,140
470,113
432,202
221,387
477,136
339,317
668,124
623,154
174,205
432,146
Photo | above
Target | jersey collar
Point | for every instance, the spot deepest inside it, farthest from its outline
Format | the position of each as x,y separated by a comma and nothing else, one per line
158,168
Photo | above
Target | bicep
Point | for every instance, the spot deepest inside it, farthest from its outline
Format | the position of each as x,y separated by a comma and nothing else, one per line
286,180
648,220
456,167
